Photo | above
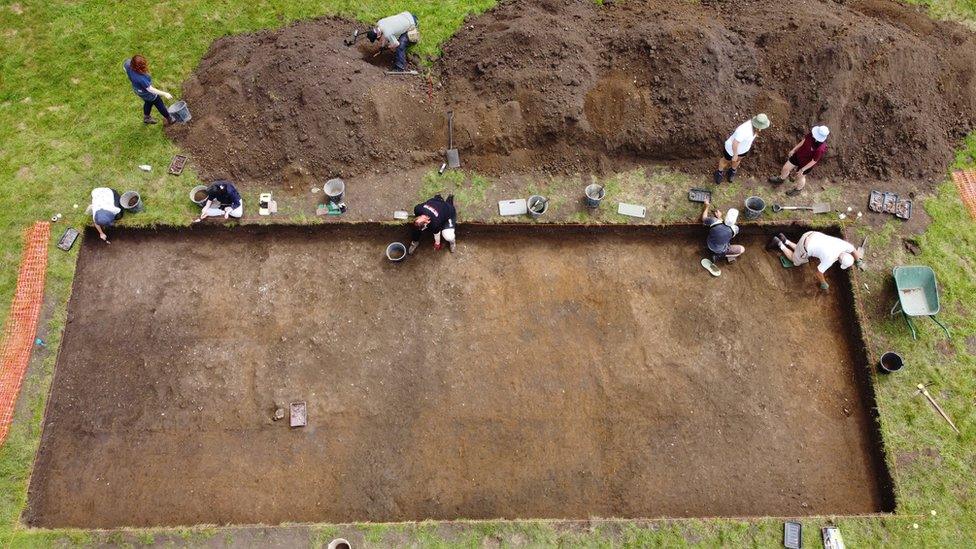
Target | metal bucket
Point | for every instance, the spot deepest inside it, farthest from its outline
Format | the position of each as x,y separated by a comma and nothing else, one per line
198,195
334,189
180,112
594,194
754,207
396,252
890,363
537,205
131,202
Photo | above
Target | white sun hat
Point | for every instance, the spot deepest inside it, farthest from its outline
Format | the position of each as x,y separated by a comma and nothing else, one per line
820,133
846,260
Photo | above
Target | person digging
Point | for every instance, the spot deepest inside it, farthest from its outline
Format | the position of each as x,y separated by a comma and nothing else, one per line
106,209
719,240
437,216
825,248
223,200
396,33
738,145
803,157
137,69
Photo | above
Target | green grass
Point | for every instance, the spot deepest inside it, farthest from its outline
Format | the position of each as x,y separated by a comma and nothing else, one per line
68,122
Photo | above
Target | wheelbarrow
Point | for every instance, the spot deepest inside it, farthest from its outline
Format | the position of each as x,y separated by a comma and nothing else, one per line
918,294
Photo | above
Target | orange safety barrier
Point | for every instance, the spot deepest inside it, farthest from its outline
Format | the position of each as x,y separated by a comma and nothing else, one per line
966,183
20,330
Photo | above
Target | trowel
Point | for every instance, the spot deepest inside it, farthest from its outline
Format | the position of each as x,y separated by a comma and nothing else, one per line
453,159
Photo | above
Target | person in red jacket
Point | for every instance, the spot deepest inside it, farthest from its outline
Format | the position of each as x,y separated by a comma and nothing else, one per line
803,157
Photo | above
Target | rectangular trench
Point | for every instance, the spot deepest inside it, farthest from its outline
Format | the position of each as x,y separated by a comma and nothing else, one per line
539,372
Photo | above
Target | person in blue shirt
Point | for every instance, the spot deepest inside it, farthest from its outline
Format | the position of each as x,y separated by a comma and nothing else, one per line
720,234
223,200
137,69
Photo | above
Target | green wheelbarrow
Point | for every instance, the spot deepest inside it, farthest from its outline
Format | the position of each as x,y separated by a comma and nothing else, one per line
918,294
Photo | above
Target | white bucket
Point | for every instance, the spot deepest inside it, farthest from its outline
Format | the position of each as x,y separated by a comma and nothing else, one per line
334,189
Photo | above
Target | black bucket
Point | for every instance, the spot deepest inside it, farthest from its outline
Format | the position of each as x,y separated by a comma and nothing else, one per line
890,363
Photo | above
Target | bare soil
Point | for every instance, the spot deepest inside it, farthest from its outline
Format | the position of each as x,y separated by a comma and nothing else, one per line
556,372
571,86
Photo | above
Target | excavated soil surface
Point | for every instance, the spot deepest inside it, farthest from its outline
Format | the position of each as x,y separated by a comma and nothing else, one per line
545,372
570,86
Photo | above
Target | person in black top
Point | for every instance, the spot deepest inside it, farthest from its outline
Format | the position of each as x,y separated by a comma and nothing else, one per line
721,232
222,200
437,216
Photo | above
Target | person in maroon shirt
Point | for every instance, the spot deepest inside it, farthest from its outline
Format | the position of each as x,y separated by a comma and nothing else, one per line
803,158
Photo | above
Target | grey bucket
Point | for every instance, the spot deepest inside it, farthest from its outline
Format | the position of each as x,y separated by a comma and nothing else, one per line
533,205
890,362
131,202
193,195
334,189
594,194
396,251
180,112
754,207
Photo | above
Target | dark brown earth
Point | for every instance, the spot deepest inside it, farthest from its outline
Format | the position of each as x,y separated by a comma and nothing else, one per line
549,372
570,86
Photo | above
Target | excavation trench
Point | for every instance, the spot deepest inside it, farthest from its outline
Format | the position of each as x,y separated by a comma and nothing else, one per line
539,372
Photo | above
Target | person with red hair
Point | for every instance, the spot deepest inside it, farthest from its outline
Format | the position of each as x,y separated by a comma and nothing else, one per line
137,69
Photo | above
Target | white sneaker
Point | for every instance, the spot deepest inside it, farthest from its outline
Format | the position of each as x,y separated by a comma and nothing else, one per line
413,247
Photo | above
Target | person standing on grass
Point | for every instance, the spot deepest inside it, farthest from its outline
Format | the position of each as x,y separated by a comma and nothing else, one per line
106,209
803,157
137,69
720,234
827,249
437,216
223,200
738,145
396,33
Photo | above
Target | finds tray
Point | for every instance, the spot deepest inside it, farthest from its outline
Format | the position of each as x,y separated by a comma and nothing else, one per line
699,195
177,165
903,209
888,202
68,239
876,201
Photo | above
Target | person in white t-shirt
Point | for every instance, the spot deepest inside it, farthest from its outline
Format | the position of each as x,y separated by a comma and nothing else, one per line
106,209
738,145
825,248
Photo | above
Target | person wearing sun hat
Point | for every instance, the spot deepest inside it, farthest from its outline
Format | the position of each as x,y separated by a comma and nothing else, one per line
825,248
738,145
803,157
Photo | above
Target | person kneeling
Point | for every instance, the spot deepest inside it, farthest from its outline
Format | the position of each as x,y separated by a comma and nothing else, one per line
437,216
720,234
106,209
223,200
827,249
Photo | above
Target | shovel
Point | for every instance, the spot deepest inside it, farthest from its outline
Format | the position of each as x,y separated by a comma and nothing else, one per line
453,159
818,208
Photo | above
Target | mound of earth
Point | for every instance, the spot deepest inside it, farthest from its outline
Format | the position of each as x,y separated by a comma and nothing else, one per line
572,86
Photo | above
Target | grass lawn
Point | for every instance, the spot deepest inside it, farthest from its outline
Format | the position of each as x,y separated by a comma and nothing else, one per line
69,121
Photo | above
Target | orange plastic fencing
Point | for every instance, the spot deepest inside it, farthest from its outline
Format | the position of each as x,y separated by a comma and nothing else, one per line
19,332
966,183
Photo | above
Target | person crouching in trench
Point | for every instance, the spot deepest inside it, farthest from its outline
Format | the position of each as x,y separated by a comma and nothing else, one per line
437,216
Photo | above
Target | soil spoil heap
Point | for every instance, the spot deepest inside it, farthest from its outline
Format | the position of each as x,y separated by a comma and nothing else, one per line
570,86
